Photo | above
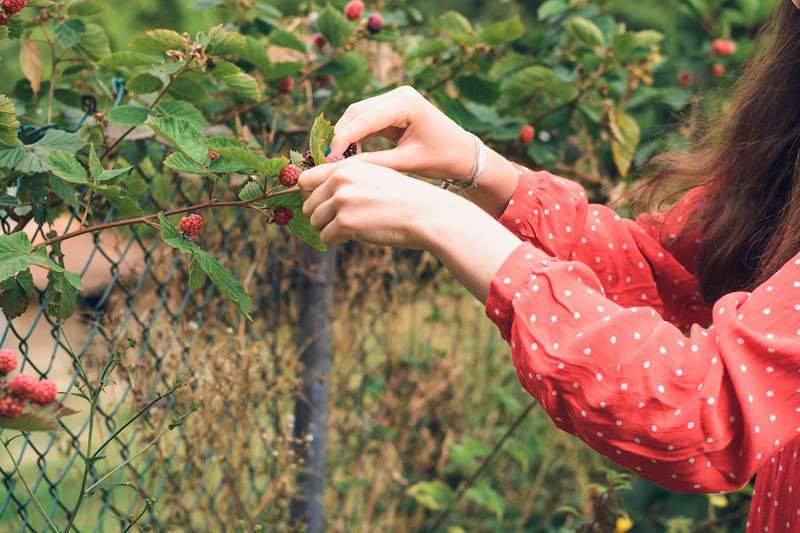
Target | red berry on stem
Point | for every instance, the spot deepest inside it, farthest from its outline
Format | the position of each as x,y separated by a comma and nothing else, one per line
282,216
684,79
325,80
526,134
10,408
8,361
192,225
4,19
45,392
723,47
718,69
212,155
354,9
289,175
318,40
286,85
12,7
375,23
22,386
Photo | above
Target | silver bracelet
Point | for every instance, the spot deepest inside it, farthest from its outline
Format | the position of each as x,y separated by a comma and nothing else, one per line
481,155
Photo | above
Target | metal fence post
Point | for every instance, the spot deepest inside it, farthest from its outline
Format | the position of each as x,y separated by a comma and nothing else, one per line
313,335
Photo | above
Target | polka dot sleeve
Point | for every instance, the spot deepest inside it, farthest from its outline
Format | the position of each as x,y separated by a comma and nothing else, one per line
698,413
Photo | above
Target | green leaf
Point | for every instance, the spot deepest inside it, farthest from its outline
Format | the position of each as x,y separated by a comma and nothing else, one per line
334,26
29,159
182,135
69,32
60,297
66,166
434,495
65,191
8,121
222,42
120,198
158,41
320,138
197,276
184,110
478,89
180,162
552,8
94,43
15,293
101,174
455,24
529,80
272,167
86,8
144,83
585,32
626,136
282,69
486,497
130,59
286,39
503,32
299,225
17,254
128,115
242,156
224,280
38,417
243,84
251,189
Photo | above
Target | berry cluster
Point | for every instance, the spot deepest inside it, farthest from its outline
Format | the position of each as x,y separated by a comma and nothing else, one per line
289,175
354,10
9,9
22,388
282,216
192,225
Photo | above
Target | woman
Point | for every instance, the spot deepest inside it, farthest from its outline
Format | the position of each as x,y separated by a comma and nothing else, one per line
594,306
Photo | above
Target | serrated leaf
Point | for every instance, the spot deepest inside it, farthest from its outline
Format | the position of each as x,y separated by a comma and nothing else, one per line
128,115
626,136
488,498
15,293
251,190
434,495
478,89
120,198
29,159
102,174
585,32
334,26
86,8
17,254
38,417
552,8
180,162
320,138
185,111
296,158
300,226
197,276
181,134
282,69
130,59
244,84
272,167
503,32
528,81
65,191
94,43
144,83
222,42
60,296
286,39
8,121
66,166
158,41
242,156
69,32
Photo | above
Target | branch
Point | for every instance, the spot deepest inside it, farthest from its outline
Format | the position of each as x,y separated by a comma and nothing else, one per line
147,219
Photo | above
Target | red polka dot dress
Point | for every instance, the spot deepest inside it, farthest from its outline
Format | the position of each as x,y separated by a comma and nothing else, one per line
595,308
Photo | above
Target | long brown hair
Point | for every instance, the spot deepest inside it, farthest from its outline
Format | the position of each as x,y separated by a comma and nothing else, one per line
749,159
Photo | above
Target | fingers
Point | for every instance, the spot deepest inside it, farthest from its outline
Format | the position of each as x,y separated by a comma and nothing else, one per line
375,120
323,214
398,159
312,178
334,233
319,196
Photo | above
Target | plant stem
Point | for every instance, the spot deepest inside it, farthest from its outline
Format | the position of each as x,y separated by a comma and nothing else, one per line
126,461
150,218
35,500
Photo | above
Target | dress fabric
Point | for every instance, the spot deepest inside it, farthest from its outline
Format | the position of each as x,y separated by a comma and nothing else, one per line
608,331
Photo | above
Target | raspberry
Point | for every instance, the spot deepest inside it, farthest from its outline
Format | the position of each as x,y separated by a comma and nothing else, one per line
354,9
718,69
526,134
375,23
723,47
351,150
289,175
23,386
192,225
318,40
4,19
12,7
44,392
8,361
334,158
212,155
10,408
282,216
286,85
684,79
324,80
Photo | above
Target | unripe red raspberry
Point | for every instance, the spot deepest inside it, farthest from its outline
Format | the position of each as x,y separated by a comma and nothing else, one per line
212,155
526,134
12,7
44,392
318,40
354,9
192,225
10,408
375,23
334,158
684,79
289,175
324,80
282,216
8,361
351,150
286,85
723,47
4,19
718,69
22,386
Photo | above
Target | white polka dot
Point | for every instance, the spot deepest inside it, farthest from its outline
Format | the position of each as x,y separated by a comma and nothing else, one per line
767,311
743,368
646,364
532,318
772,418
623,386
770,394
769,370
679,372
661,389
507,281
690,425
613,339
599,376
654,428
587,351
710,400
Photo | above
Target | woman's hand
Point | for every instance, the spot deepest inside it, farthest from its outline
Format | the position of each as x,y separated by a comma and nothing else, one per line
355,200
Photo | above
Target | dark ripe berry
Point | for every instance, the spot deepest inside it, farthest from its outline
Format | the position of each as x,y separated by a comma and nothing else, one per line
309,160
44,392
325,80
375,23
12,7
684,79
22,386
718,69
351,150
289,175
286,85
192,225
212,155
334,158
723,47
282,216
354,9
318,40
8,361
526,134
10,408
